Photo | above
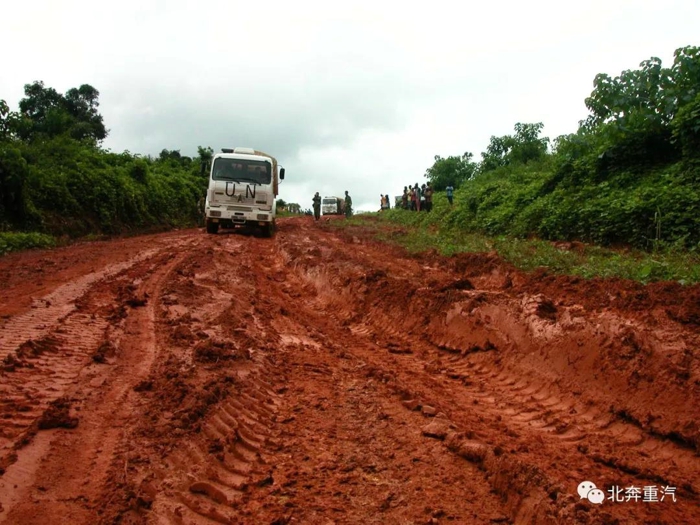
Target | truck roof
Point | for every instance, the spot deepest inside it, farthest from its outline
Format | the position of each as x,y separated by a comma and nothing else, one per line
249,151
251,154
244,153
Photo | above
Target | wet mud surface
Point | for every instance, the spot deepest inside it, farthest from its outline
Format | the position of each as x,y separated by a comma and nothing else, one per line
320,377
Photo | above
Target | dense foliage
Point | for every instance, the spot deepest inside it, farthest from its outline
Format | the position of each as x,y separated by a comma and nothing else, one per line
55,178
452,171
629,175
14,241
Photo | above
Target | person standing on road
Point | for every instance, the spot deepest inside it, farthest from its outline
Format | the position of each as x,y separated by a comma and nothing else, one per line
404,198
348,205
317,206
449,190
416,189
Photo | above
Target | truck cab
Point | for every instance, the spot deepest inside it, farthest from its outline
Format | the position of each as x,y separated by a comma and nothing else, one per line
243,186
333,206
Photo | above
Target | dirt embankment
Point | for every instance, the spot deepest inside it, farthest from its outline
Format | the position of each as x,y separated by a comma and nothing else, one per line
321,377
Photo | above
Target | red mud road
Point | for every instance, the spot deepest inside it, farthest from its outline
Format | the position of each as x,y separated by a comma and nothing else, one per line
320,377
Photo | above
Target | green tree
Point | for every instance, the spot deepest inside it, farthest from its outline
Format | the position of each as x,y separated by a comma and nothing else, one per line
450,171
13,175
174,157
526,145
167,155
8,121
686,129
82,104
632,115
44,111
645,97
205,154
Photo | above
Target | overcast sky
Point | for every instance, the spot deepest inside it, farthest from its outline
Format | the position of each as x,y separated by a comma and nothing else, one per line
359,96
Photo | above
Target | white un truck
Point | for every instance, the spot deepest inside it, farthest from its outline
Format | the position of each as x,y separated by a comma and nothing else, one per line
243,185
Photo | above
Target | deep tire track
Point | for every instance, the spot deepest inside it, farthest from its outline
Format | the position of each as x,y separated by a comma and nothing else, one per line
509,402
71,372
44,351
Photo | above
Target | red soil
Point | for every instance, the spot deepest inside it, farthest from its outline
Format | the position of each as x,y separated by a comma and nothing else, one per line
322,377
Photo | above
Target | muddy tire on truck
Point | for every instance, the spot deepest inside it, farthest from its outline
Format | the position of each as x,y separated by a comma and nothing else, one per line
268,231
212,227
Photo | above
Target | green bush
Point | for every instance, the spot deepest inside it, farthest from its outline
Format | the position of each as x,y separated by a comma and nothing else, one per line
12,242
686,129
76,189
628,176
55,178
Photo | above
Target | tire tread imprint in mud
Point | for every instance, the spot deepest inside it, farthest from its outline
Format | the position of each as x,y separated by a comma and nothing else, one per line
506,349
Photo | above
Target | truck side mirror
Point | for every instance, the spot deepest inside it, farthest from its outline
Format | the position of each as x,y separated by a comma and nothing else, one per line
282,173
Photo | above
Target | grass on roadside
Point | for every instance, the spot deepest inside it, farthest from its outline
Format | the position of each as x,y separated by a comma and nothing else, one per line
14,241
416,233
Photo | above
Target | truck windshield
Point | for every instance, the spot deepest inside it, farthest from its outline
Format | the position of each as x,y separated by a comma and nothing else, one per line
240,170
328,201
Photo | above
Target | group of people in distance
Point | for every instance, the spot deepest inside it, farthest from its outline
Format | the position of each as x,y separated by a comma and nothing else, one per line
421,198
417,198
414,198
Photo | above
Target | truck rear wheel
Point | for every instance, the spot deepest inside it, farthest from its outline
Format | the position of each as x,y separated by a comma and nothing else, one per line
212,227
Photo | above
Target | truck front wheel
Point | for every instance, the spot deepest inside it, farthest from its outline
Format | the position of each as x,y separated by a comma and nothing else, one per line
212,227
269,229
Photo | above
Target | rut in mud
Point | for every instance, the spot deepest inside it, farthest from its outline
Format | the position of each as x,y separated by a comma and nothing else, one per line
321,377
